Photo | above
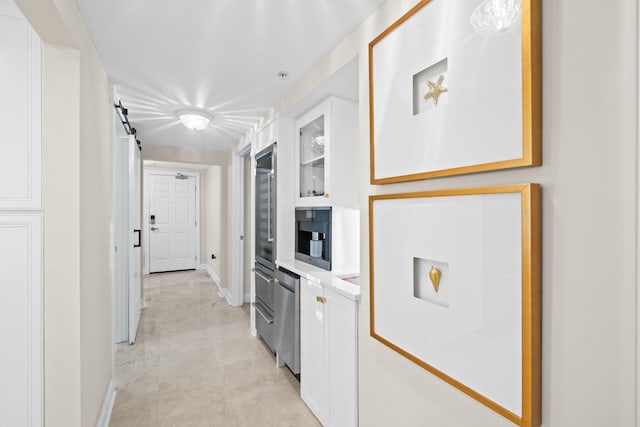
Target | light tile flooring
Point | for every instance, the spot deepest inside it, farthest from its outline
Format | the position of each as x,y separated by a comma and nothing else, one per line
195,363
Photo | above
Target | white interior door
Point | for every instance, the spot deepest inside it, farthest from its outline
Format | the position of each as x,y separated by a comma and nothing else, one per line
172,222
135,278
120,189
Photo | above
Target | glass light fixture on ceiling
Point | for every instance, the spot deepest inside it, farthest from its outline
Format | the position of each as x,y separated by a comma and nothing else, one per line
495,16
192,119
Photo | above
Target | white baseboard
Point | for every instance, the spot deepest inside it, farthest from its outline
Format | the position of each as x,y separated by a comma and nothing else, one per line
247,298
222,292
201,267
213,274
254,332
107,405
226,295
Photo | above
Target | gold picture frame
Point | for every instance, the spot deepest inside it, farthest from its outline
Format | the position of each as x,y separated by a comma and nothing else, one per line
419,160
524,214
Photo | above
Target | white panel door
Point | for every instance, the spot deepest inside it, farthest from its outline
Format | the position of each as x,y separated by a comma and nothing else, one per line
20,111
135,256
314,350
121,236
21,320
172,223
342,322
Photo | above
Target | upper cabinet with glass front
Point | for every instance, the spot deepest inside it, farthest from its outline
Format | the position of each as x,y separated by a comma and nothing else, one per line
312,159
326,141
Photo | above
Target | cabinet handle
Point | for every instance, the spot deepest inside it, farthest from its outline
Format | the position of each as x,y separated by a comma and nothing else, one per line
321,299
261,275
326,195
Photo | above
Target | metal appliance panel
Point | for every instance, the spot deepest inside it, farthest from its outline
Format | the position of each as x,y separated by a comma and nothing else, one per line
287,319
264,286
265,324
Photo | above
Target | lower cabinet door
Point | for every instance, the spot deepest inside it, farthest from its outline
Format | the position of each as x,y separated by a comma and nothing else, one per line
314,380
21,387
342,324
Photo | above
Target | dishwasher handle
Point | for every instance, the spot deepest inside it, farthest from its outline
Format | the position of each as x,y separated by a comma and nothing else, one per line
286,278
285,285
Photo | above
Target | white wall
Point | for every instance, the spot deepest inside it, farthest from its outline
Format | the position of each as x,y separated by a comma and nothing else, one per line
589,250
61,96
248,233
185,155
95,238
217,237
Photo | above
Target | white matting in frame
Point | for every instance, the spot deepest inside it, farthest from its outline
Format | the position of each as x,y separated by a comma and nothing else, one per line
478,329
486,115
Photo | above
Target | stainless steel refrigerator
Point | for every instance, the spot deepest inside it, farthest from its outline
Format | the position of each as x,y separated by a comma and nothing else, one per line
265,234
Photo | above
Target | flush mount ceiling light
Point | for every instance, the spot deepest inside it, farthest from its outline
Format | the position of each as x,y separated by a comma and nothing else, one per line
193,119
495,16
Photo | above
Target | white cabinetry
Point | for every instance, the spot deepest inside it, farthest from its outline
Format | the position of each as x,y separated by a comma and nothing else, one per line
325,157
20,112
341,321
314,350
328,354
21,260
326,174
21,319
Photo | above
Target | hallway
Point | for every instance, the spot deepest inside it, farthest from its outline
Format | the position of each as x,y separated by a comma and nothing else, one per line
195,363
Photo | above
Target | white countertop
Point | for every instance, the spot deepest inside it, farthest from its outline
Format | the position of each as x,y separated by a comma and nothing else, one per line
330,279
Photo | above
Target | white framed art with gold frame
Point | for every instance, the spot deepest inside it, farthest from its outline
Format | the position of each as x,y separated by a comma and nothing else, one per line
479,328
486,112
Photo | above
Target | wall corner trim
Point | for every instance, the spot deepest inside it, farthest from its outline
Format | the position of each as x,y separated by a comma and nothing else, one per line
222,292
107,405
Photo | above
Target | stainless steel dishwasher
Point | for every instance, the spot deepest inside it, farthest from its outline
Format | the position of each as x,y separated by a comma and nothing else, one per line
287,319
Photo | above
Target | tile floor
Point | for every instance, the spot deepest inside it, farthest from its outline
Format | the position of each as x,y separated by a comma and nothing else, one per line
195,363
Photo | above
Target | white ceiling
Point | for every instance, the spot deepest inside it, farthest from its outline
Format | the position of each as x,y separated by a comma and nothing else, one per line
221,56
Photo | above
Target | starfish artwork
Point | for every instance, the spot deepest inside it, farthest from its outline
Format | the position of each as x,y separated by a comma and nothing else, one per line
435,89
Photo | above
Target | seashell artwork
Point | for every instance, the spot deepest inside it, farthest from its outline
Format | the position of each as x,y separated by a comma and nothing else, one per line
434,275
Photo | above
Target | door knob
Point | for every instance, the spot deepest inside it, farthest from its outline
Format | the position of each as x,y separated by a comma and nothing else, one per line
321,299
154,229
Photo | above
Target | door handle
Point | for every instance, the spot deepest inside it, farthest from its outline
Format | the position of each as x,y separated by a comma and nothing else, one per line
137,245
155,229
269,207
321,299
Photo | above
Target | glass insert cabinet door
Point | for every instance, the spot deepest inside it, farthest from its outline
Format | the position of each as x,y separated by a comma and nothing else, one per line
265,206
312,158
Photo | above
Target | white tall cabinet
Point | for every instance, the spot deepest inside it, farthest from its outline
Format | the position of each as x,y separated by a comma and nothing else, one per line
21,218
328,354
